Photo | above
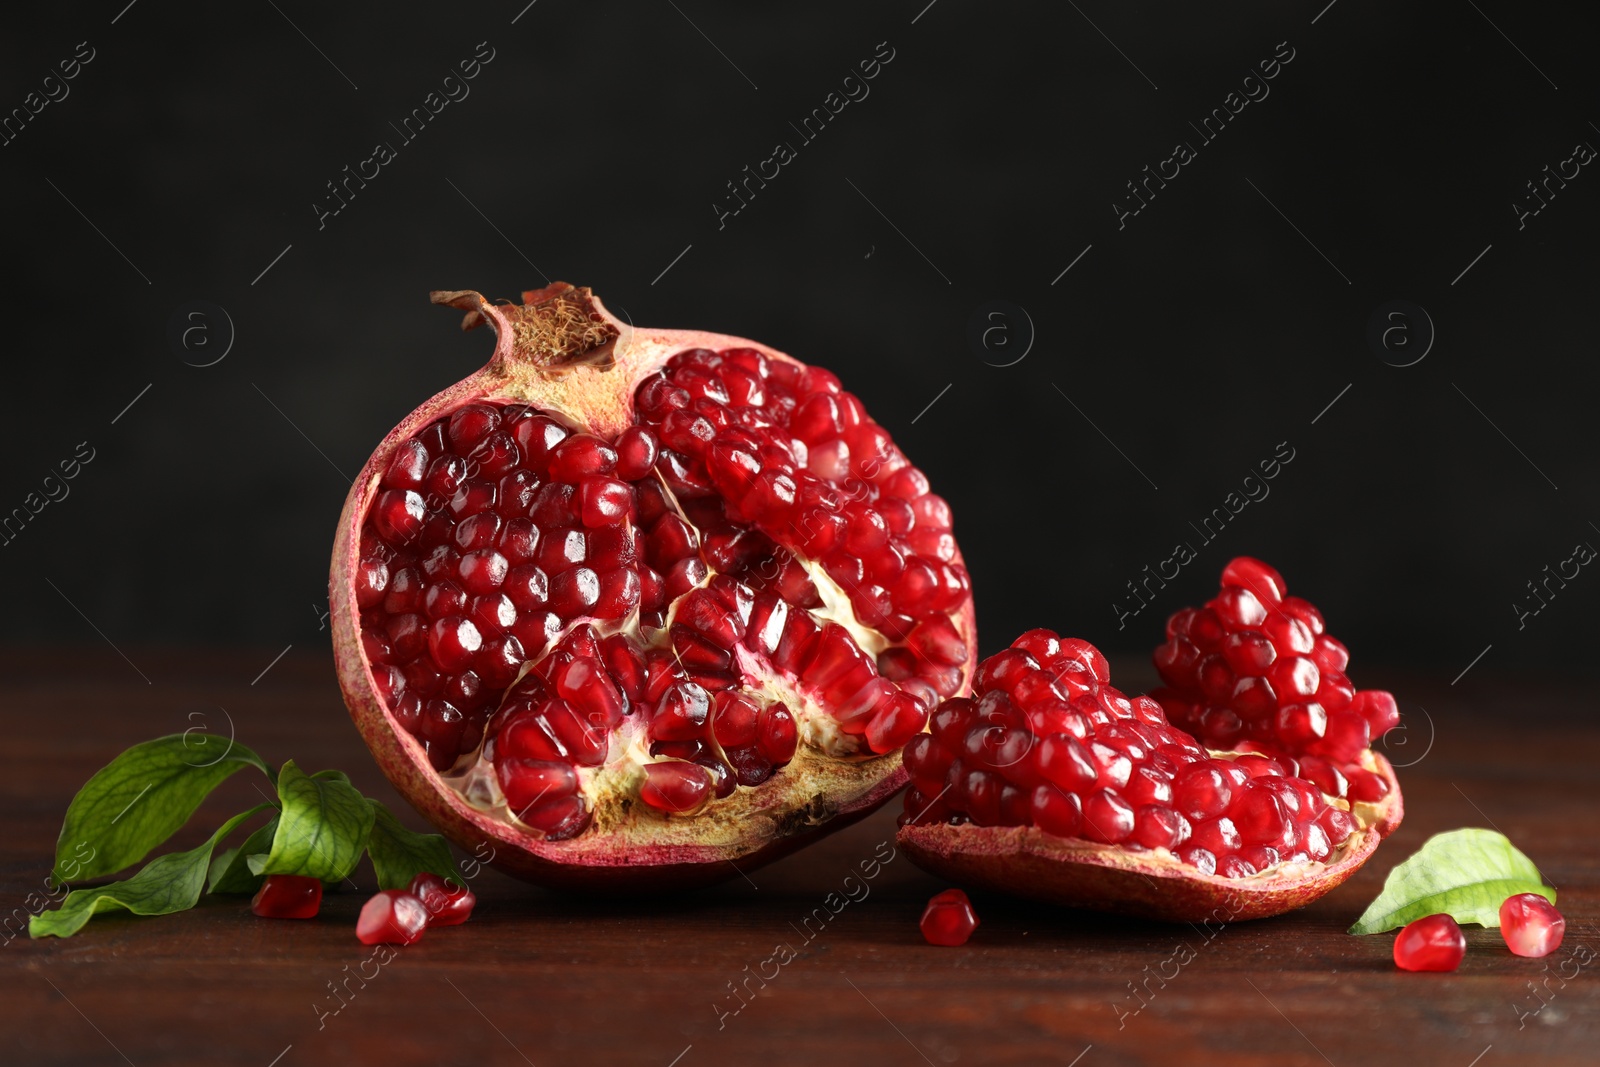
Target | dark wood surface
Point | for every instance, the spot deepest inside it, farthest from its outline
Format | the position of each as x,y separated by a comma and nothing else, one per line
541,979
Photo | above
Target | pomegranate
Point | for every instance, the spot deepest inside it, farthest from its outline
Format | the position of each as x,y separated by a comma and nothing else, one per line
630,605
1531,925
949,919
392,917
1431,943
1050,783
288,896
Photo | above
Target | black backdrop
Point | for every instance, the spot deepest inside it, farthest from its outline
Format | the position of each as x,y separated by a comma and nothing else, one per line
184,161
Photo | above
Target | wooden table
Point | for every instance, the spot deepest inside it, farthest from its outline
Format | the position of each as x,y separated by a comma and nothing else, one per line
536,978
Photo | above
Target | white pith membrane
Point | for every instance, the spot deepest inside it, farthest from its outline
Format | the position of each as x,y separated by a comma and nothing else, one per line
830,769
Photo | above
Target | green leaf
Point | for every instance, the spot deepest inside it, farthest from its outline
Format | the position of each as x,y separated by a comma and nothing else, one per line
323,828
1466,874
166,884
399,855
141,798
230,872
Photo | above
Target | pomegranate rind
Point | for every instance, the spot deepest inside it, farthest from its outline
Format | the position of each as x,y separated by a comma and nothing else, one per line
1024,861
806,800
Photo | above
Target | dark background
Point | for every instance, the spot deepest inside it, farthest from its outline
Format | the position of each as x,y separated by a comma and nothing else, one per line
192,148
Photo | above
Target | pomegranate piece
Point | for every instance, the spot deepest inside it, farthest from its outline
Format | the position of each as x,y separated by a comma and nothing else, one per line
392,917
288,896
949,919
1531,925
1431,943
1122,809
449,903
622,588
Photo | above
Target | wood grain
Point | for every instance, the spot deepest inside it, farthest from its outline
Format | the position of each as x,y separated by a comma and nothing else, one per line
541,979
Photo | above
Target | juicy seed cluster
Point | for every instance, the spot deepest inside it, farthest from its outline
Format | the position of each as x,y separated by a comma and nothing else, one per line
1046,741
1255,668
748,442
492,530
655,579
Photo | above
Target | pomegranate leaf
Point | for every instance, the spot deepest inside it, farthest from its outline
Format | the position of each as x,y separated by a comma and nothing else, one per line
1466,874
230,872
399,855
138,800
323,828
166,884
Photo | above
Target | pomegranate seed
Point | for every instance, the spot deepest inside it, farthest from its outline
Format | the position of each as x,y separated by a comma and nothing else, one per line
448,903
1247,573
528,783
398,515
778,734
408,467
1530,924
453,641
581,456
636,453
1202,791
1431,943
292,896
1249,652
1156,826
1378,708
949,919
392,917
901,719
1262,819
676,788
1107,817
1238,609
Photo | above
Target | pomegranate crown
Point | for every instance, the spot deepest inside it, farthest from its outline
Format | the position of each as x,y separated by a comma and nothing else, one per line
560,325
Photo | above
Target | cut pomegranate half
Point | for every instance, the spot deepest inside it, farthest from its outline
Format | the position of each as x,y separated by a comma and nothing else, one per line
1051,784
629,604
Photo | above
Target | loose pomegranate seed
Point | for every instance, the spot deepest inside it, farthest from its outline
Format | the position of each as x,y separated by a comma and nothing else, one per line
448,903
949,919
393,917
291,896
1531,925
1431,943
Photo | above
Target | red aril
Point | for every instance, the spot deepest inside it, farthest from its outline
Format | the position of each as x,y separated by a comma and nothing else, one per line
392,917
1531,925
628,604
1431,943
288,896
1049,783
949,919
449,903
